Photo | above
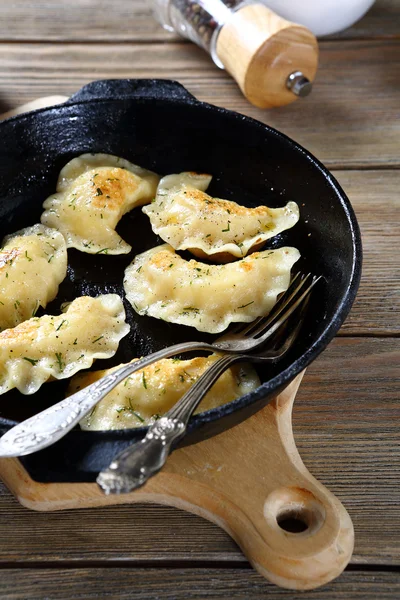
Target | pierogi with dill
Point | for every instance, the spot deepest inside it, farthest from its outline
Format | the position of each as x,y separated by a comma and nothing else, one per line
149,393
187,218
93,192
59,346
162,284
33,262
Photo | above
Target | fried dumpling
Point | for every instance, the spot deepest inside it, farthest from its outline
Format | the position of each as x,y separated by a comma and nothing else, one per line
93,192
149,393
187,218
33,262
58,347
160,283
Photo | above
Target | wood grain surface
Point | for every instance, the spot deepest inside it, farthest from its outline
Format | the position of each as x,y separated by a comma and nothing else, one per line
360,122
346,416
184,584
132,21
376,200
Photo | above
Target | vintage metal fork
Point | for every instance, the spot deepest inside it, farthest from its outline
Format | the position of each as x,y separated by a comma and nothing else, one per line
50,425
136,464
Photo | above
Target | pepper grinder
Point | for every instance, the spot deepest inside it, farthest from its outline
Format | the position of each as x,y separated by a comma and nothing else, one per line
274,61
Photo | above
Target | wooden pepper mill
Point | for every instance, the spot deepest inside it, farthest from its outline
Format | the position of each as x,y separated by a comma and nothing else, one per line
273,60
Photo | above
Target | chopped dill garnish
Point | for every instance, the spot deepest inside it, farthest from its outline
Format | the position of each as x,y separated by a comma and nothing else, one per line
144,381
187,309
61,324
60,362
33,361
131,410
248,304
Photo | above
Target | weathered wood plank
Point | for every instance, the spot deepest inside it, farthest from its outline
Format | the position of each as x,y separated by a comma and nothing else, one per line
81,20
346,423
176,584
350,120
376,201
92,20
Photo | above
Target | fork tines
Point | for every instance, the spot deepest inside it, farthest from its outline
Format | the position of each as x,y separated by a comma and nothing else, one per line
300,286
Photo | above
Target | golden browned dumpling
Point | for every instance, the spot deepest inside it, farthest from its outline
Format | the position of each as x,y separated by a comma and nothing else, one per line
187,218
33,262
150,392
57,347
93,192
161,284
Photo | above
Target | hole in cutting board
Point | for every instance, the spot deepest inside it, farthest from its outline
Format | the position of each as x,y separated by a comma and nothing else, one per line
292,522
294,510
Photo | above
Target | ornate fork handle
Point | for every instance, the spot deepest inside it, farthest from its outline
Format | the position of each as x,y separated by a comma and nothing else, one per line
50,425
135,465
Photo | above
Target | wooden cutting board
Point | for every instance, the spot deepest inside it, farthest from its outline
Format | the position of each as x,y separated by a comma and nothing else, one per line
249,480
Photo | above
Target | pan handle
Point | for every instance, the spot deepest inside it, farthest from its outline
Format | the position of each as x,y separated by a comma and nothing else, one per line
164,89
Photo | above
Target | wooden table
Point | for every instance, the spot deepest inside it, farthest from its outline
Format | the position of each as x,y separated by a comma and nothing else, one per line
346,416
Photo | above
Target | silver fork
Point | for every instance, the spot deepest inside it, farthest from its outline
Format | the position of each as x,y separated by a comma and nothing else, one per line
135,465
50,425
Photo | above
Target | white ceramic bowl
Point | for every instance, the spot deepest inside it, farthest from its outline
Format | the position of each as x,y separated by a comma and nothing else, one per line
322,17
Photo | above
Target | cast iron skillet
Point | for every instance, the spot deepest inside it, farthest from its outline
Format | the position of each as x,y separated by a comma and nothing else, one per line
159,125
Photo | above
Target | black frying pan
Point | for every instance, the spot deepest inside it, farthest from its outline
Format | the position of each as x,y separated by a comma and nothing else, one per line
159,125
